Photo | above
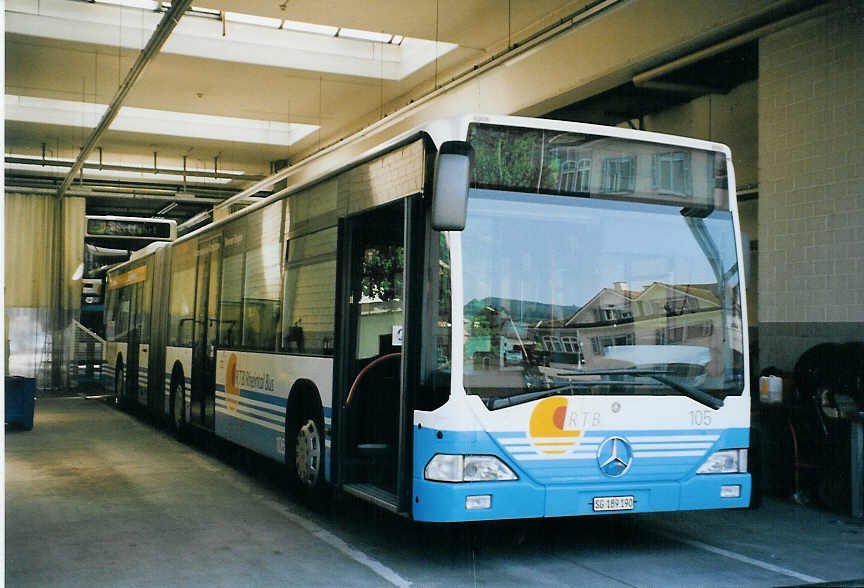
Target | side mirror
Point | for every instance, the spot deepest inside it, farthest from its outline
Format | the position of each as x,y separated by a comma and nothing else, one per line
450,191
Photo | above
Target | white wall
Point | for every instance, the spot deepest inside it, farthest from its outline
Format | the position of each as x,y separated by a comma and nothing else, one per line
811,199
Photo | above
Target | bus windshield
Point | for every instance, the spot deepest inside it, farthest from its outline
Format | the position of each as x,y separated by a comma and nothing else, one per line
584,294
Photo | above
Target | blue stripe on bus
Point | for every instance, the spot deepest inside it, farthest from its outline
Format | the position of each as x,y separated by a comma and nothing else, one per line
270,409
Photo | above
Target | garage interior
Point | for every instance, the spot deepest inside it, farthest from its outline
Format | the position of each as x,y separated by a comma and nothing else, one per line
189,113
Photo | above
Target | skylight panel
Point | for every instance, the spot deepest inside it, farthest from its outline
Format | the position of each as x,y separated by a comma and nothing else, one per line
159,122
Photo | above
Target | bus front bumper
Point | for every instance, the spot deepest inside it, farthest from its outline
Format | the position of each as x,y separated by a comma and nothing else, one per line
451,502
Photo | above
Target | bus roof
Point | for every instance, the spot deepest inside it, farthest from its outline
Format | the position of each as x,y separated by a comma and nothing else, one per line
439,131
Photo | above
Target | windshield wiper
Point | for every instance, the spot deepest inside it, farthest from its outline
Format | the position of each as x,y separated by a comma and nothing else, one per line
661,376
692,392
529,396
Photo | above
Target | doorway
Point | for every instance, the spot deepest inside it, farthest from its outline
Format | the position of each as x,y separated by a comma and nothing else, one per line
373,364
205,332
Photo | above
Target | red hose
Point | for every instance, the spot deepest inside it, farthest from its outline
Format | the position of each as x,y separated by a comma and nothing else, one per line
371,364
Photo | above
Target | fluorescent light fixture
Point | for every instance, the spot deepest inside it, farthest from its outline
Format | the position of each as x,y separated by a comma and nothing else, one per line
305,27
365,35
158,122
251,19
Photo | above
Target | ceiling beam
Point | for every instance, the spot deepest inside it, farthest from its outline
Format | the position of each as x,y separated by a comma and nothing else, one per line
154,45
645,78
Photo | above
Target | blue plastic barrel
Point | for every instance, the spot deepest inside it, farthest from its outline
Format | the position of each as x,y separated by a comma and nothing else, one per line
20,401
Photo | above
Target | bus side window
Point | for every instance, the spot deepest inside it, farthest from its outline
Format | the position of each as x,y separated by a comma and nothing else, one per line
111,315
309,294
182,293
123,307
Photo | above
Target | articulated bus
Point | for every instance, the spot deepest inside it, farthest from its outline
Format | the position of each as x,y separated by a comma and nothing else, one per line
488,317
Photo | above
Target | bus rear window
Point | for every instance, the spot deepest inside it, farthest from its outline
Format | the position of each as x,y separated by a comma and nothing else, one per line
553,162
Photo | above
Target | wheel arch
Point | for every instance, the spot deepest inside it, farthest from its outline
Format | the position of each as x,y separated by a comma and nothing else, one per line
177,374
304,398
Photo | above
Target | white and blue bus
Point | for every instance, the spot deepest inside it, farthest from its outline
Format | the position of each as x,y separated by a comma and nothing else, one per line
488,317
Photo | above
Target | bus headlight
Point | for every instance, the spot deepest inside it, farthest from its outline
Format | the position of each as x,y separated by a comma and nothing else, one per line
727,461
467,468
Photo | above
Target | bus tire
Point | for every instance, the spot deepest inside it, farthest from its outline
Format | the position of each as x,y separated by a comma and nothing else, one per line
304,448
178,407
119,380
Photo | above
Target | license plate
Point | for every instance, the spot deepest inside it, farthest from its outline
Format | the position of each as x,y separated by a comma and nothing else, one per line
609,503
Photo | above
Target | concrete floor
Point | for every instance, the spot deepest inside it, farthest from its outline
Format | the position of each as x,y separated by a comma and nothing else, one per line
97,497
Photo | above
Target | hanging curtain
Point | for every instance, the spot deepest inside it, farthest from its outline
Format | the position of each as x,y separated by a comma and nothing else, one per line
30,264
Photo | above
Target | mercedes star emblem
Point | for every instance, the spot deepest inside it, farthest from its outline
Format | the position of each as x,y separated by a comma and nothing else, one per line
614,456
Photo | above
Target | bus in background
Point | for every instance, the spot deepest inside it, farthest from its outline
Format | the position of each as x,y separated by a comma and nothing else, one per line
488,317
109,240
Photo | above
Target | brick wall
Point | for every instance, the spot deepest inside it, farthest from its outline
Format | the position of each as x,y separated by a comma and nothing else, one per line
811,199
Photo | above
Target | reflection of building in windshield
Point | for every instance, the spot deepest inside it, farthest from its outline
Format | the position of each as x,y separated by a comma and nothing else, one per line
661,314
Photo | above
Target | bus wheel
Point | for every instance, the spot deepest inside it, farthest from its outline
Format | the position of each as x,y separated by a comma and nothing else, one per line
308,454
178,409
119,399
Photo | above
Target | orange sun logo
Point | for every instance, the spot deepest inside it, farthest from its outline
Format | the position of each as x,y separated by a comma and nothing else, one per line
547,427
232,394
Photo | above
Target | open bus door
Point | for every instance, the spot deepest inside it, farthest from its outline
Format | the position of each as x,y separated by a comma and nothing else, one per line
374,358
133,350
205,331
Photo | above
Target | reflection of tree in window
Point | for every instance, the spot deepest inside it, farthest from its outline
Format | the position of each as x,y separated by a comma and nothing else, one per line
382,272
442,339
619,174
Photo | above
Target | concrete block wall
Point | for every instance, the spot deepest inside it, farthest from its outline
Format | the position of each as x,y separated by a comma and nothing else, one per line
811,185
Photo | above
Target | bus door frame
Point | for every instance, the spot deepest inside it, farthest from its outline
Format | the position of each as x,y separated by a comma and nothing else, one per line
133,343
157,395
414,228
205,333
